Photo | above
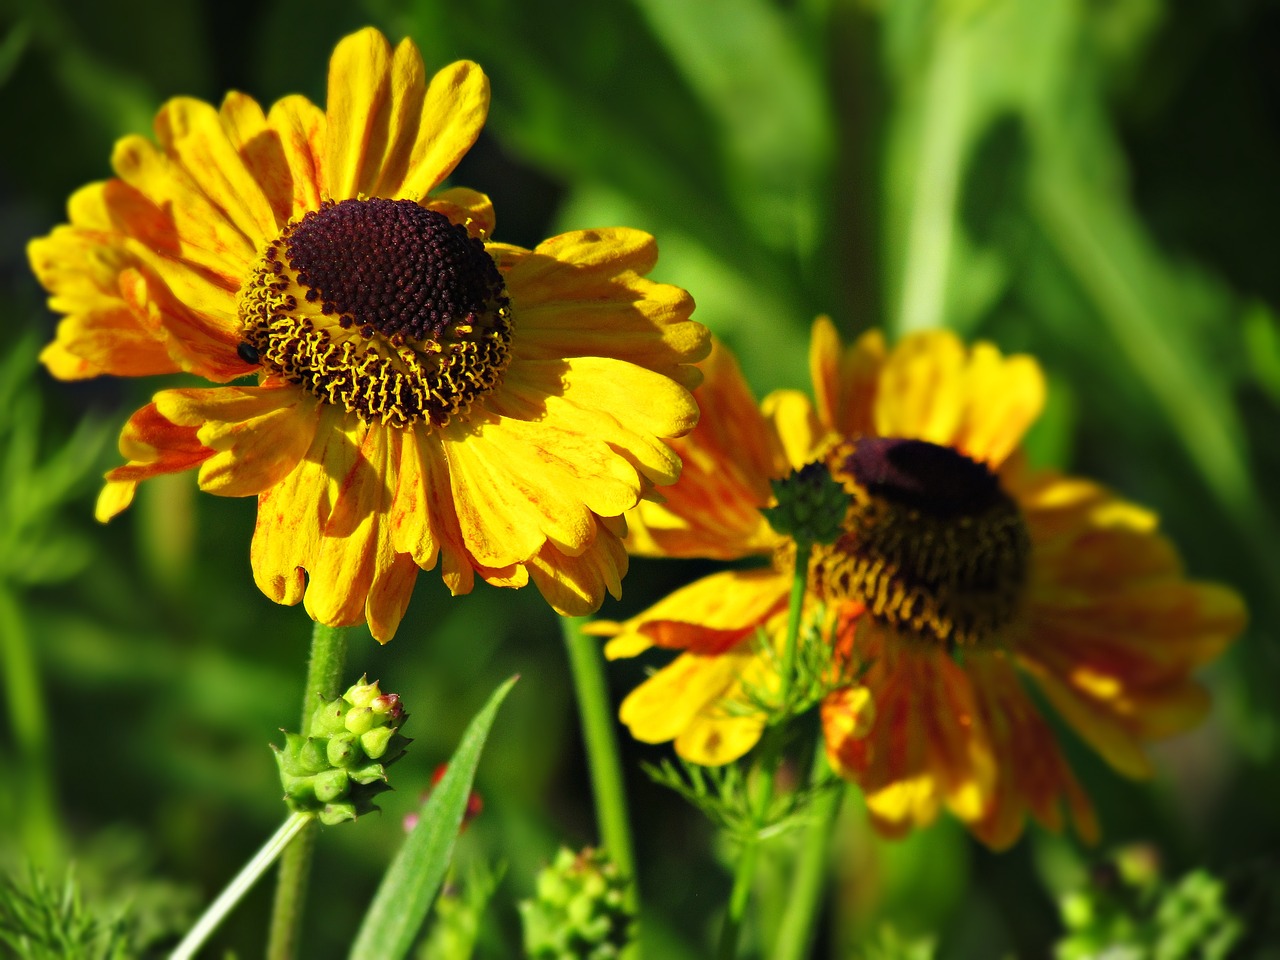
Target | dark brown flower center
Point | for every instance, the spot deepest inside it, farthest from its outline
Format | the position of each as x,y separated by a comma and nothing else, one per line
381,306
932,545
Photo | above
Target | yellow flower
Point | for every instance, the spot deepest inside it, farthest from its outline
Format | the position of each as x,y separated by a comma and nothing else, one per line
424,394
961,580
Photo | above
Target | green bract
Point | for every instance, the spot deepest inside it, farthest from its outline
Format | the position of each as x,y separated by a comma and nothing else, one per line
811,505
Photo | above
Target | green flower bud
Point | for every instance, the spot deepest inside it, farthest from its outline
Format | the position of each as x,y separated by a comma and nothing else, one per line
337,771
811,505
580,909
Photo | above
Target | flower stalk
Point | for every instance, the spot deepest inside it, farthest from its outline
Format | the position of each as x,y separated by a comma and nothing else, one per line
596,712
324,674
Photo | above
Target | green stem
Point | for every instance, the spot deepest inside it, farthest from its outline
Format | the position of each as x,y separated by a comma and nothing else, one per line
324,679
41,836
596,712
238,887
799,580
769,757
795,933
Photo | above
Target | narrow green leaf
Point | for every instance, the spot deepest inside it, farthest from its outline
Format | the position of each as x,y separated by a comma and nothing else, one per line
414,877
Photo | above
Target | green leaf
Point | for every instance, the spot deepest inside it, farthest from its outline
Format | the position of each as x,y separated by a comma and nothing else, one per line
414,877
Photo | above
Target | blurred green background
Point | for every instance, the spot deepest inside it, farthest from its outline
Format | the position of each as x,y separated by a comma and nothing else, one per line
1094,181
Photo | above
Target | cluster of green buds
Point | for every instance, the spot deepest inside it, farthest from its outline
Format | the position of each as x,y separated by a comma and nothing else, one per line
340,766
1127,910
811,505
580,911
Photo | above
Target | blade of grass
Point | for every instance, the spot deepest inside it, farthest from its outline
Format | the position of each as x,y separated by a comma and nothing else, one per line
411,882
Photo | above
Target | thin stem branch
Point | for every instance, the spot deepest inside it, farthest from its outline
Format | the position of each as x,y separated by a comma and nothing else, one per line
234,892
768,758
324,679
596,712
799,580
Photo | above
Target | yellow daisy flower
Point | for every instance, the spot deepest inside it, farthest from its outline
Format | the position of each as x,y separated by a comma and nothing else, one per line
961,580
424,394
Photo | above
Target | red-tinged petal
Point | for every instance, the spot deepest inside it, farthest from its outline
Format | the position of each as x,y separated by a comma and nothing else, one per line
152,445
259,433
709,615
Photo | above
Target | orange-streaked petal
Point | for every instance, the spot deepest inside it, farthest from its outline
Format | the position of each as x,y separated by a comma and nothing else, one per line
845,382
709,615
728,461
152,445
259,433
575,586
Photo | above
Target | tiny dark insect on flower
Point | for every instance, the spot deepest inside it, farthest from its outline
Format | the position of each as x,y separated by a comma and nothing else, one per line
248,352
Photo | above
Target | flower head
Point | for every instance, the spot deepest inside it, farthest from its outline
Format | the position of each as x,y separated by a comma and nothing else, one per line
961,580
423,394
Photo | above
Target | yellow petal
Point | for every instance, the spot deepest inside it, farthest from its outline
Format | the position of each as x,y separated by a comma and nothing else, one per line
796,425
453,113
300,129
259,433
1005,396
575,586
922,388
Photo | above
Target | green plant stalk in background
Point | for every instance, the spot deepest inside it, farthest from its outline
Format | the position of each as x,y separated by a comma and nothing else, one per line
324,682
607,788
813,868
38,827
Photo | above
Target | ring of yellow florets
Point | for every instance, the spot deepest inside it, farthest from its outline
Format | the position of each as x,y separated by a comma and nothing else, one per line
932,545
382,307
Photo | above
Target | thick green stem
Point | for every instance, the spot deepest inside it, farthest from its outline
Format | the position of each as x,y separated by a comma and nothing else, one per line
324,680
795,933
596,712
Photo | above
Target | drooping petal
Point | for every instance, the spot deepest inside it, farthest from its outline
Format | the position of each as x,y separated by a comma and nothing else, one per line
707,616
292,515
597,397
259,433
684,702
927,737
151,445
575,586
1031,774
